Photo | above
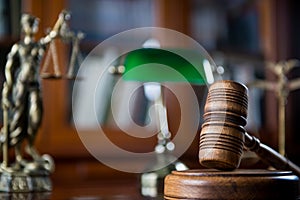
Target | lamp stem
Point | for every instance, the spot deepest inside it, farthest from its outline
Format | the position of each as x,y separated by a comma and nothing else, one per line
281,113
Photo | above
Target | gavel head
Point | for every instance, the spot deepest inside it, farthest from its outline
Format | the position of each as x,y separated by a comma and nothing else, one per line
222,134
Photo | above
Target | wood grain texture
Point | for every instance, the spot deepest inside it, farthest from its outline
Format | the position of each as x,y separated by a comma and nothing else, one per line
239,184
222,134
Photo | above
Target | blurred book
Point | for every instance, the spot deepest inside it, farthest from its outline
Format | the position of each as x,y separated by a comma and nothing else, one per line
4,18
14,17
10,14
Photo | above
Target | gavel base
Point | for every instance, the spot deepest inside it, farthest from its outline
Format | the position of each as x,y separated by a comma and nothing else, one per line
238,184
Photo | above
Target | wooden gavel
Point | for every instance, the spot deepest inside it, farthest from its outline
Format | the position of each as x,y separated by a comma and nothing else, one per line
223,135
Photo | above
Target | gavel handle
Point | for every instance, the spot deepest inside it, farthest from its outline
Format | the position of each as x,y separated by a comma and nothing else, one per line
269,155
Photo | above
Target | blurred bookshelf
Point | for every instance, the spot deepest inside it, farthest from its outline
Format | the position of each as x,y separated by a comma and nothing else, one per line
240,35
107,18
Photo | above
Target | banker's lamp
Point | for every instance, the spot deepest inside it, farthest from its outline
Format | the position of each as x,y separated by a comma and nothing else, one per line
153,66
164,65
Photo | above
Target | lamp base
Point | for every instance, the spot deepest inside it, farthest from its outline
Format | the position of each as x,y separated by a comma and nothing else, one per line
152,183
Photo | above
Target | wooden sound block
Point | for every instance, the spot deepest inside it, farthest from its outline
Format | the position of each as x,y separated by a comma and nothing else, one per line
238,184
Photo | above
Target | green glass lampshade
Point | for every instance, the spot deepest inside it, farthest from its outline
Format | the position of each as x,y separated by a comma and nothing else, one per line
160,65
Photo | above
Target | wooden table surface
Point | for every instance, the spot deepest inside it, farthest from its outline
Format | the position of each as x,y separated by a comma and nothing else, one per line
86,180
102,190
106,189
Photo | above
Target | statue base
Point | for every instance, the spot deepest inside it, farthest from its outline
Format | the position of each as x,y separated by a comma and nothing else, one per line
15,182
25,195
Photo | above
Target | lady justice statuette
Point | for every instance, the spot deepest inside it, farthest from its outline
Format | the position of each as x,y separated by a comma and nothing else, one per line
23,109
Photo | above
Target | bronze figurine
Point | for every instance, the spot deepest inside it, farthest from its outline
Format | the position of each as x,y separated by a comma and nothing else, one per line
23,109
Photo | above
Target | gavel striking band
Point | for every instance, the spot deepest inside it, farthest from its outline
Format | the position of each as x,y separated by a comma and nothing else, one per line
223,136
